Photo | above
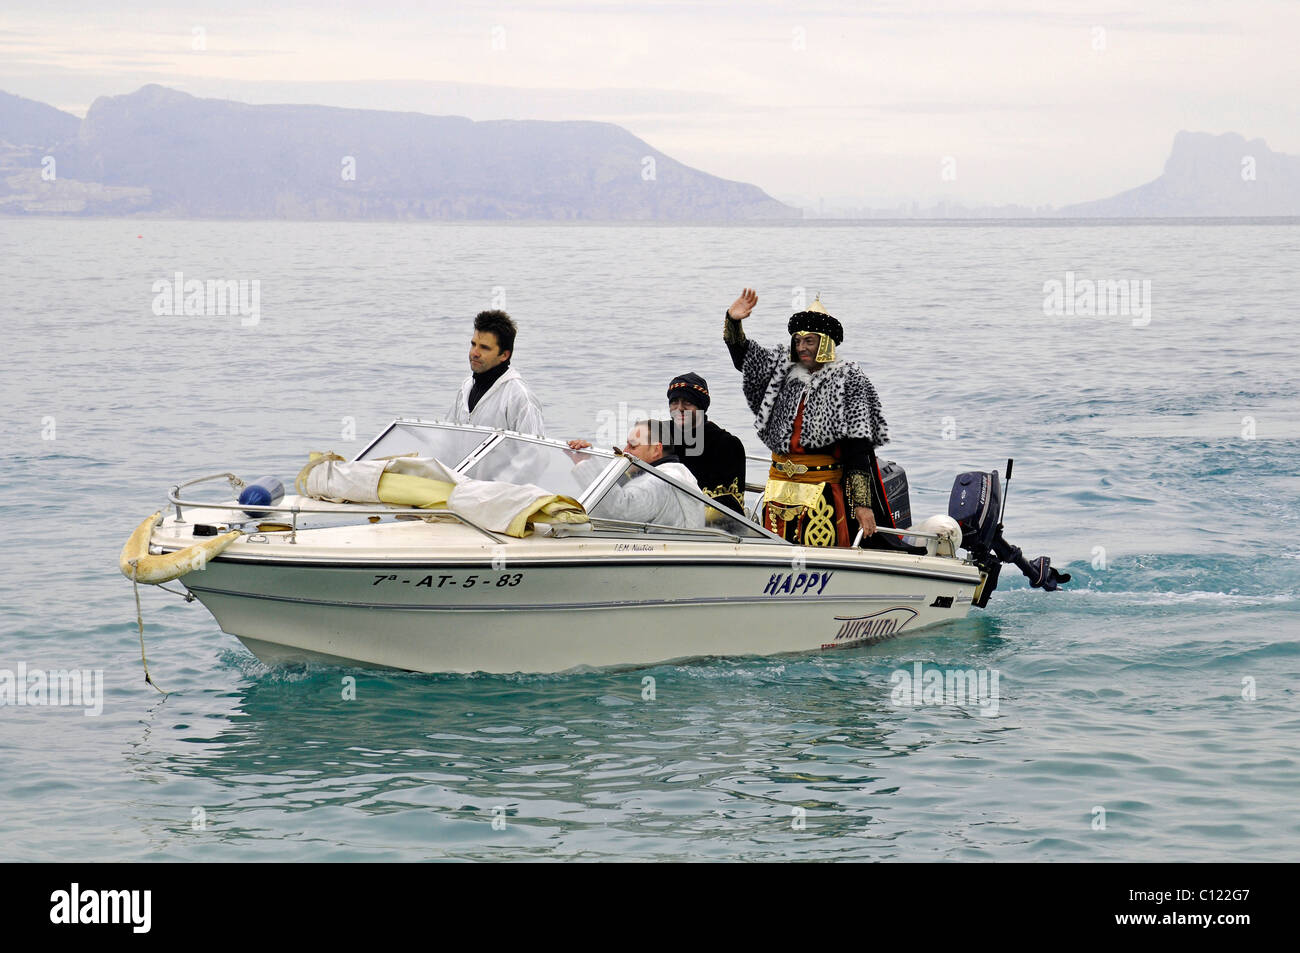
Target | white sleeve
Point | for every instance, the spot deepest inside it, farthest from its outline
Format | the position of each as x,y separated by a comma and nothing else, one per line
639,501
586,471
692,510
457,403
523,413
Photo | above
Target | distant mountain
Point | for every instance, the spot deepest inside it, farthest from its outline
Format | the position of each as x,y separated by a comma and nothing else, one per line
1208,175
32,138
25,122
170,154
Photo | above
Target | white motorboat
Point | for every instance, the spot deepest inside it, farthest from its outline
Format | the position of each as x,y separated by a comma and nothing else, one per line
425,590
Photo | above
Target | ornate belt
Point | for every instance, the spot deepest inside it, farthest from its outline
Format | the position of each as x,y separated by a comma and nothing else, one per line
797,465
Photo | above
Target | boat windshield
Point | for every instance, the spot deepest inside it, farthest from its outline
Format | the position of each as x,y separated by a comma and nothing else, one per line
594,478
701,512
554,468
447,443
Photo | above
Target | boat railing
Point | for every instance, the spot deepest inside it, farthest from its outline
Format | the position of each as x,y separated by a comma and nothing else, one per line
293,512
602,522
354,509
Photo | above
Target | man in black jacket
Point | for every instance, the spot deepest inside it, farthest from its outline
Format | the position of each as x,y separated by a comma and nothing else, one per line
715,458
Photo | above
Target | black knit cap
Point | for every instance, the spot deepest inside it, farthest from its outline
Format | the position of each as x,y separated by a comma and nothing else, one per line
692,387
818,323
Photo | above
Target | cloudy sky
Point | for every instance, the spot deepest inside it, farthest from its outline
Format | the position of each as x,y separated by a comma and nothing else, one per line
851,103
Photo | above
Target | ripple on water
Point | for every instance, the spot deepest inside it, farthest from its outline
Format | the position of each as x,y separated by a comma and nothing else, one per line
1160,687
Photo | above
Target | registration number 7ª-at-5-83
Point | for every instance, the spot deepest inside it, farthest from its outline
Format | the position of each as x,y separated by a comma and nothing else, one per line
451,581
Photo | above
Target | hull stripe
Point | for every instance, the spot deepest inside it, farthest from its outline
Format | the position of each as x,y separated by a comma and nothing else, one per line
531,607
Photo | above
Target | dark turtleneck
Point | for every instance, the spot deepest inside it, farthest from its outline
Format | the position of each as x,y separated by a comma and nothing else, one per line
483,382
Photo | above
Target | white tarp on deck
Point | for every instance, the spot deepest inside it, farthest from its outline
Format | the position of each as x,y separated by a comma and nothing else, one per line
425,482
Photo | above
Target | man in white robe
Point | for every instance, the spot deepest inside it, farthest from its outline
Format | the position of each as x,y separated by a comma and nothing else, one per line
645,498
494,395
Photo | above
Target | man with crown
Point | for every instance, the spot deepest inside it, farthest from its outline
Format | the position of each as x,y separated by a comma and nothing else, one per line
821,419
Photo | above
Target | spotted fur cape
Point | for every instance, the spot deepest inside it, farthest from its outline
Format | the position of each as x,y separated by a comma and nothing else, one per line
839,400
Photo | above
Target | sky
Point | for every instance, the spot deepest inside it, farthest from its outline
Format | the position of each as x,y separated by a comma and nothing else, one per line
848,104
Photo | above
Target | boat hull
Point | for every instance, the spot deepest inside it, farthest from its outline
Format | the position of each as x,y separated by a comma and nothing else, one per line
550,616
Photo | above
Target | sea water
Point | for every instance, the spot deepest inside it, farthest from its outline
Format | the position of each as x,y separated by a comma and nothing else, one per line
1148,712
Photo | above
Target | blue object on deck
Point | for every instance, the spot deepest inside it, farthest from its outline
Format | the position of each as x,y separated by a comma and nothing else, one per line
266,491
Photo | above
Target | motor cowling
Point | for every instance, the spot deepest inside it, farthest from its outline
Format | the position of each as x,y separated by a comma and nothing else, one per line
976,505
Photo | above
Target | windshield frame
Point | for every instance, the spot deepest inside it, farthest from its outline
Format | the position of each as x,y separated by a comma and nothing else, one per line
492,439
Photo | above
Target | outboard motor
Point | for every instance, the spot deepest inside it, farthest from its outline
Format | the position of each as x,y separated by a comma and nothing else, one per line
976,504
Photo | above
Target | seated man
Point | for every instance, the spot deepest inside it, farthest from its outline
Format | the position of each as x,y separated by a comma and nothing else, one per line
644,498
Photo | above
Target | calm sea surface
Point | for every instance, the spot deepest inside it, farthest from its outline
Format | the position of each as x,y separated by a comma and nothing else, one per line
1150,712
